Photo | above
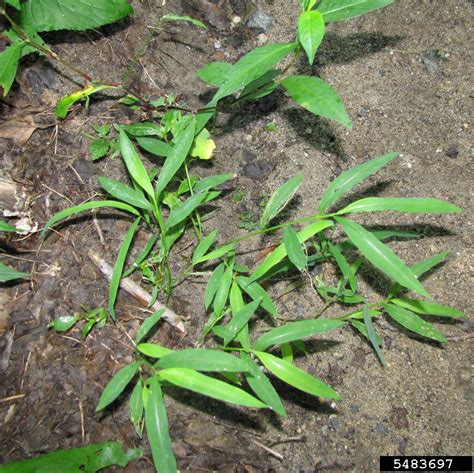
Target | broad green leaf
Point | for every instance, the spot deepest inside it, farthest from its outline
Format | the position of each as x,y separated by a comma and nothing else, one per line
280,252
136,407
372,335
117,384
143,129
157,429
222,292
148,324
279,199
239,320
295,331
310,32
87,459
63,323
215,73
211,182
414,205
14,3
119,264
350,178
211,387
418,269
262,386
412,322
177,157
260,87
213,285
293,248
202,359
203,246
296,377
336,10
381,256
134,165
5,227
173,17
153,350
251,66
14,37
255,291
63,106
9,59
184,210
155,146
344,267
307,5
9,274
318,97
99,148
127,194
203,147
52,15
428,308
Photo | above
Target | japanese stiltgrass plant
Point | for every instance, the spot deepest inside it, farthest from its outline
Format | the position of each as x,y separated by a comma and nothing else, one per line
167,201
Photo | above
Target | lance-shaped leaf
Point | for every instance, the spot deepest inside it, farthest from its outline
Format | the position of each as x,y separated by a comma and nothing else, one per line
222,292
296,377
136,407
6,227
251,66
87,206
279,199
318,97
295,331
203,246
372,335
9,59
428,308
52,15
148,324
381,256
412,322
202,384
255,291
412,205
173,17
125,193
9,274
347,272
202,359
180,213
239,320
215,73
155,146
280,252
119,264
213,285
63,106
262,386
153,350
336,10
293,247
350,178
211,182
311,32
157,429
177,157
134,164
116,385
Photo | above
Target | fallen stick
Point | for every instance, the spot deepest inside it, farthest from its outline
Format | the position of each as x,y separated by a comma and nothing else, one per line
138,293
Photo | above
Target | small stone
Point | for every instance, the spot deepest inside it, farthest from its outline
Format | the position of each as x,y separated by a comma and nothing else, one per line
262,39
260,20
217,45
452,152
236,20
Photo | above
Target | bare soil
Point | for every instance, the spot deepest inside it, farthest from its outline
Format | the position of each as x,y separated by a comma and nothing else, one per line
404,74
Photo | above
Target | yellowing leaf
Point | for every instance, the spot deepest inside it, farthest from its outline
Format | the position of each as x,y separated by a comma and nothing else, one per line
203,146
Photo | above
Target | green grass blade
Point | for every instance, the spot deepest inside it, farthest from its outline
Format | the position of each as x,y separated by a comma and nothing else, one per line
412,322
9,274
294,249
336,10
125,193
202,359
280,199
412,205
280,252
346,270
5,227
318,97
372,335
142,255
222,292
358,325
117,384
148,324
381,256
134,165
255,291
88,206
347,180
119,264
211,182
153,350
239,320
213,284
428,308
203,246
180,213
157,429
262,386
295,331
217,253
177,157
296,377
310,32
202,384
155,146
